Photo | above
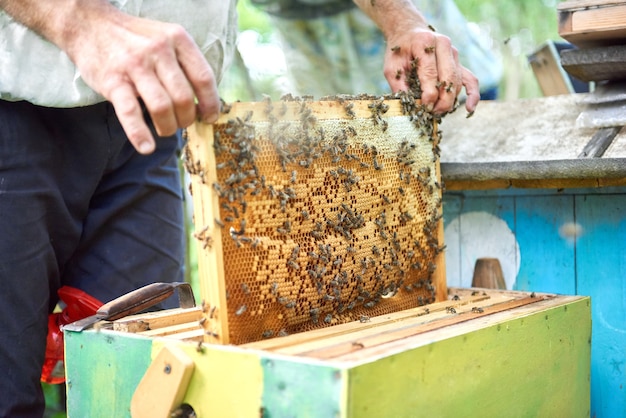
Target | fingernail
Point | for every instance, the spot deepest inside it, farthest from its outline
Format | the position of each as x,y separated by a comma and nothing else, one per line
210,118
146,147
430,107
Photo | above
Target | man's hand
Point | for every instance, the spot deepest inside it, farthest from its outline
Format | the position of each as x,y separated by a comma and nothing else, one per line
128,60
411,39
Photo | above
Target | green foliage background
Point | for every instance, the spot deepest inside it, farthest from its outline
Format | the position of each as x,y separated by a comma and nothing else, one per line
517,27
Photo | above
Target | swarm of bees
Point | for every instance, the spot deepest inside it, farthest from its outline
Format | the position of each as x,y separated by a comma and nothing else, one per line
324,219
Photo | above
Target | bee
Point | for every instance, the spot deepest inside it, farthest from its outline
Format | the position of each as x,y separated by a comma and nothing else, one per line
212,311
450,309
532,295
377,165
268,333
429,49
245,289
364,318
219,223
200,347
395,48
241,310
274,288
314,312
294,175
328,319
476,309
456,297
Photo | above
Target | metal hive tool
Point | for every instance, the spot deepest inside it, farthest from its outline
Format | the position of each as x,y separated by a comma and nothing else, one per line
310,214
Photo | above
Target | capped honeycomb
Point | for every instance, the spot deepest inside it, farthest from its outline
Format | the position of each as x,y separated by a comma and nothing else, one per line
324,212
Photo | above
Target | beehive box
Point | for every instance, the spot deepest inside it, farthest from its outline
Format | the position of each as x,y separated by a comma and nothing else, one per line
323,287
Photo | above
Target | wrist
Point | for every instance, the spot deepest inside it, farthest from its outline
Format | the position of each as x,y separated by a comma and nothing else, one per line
394,16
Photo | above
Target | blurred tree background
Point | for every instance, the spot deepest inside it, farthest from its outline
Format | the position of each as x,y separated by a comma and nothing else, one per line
516,27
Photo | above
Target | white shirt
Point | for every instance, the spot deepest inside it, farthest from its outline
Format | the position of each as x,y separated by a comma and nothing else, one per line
37,71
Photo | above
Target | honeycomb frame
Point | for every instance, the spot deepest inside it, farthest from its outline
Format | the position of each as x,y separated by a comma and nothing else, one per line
315,213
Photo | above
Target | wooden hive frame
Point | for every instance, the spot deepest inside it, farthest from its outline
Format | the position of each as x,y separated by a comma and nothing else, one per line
210,201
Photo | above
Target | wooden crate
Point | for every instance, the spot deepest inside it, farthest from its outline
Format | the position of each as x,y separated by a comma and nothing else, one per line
489,353
592,22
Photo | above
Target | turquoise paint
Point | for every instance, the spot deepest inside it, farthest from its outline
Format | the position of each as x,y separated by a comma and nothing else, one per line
537,223
601,264
294,389
101,385
595,265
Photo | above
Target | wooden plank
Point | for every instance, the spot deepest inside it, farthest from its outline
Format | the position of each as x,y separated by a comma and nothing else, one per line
202,168
583,4
546,65
357,347
174,329
163,386
515,367
596,63
601,140
323,334
227,381
423,316
588,24
103,372
535,184
293,388
547,248
155,320
600,273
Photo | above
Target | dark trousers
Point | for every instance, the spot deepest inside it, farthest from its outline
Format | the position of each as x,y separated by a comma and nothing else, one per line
78,207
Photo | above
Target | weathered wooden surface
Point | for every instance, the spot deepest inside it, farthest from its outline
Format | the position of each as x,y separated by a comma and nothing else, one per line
527,143
596,64
567,241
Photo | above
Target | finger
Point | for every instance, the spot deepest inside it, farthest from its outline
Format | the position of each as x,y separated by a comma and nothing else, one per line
200,76
448,70
129,113
427,71
395,69
156,100
179,92
472,89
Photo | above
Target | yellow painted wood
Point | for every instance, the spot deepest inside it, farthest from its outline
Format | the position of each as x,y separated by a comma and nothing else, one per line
202,169
163,386
521,366
227,381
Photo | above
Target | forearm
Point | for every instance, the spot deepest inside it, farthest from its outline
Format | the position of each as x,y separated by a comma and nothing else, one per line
393,15
61,22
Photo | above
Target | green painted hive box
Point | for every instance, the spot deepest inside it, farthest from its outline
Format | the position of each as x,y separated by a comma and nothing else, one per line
480,353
